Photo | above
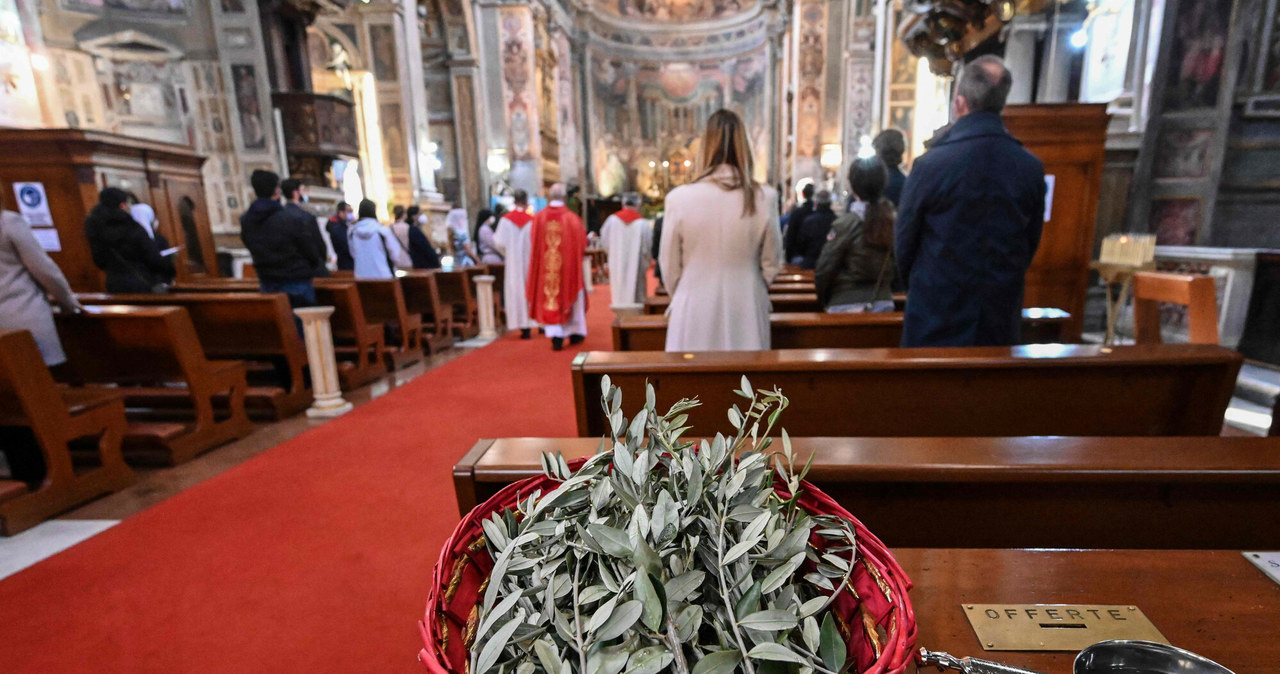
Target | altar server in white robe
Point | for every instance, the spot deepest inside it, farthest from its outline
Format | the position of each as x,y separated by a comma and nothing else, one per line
720,248
627,236
513,242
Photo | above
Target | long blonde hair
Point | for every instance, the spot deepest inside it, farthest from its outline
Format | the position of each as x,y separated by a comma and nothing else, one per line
725,142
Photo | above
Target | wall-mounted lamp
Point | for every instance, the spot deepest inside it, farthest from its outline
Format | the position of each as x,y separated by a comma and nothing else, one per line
831,157
498,162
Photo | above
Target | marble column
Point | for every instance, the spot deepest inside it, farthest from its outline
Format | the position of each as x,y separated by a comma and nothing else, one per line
324,369
484,300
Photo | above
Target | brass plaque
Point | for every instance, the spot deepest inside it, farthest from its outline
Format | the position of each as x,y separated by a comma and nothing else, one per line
1056,627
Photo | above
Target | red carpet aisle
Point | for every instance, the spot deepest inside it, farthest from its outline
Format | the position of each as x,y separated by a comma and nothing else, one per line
314,556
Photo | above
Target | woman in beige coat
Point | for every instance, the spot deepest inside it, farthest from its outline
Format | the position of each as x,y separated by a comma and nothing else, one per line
720,248
26,275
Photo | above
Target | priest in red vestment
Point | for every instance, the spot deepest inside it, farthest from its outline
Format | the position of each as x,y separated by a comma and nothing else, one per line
555,284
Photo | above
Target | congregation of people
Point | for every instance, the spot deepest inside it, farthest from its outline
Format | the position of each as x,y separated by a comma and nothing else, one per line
958,233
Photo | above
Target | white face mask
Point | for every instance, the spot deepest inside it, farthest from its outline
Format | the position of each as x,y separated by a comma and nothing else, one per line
305,198
351,216
422,219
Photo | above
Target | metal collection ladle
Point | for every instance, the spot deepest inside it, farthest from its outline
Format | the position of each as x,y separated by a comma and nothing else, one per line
1109,657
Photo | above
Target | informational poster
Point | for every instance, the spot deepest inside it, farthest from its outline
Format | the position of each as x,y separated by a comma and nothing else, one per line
1048,196
48,238
33,204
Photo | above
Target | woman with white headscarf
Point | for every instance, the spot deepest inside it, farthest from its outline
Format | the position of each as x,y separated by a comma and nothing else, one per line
145,215
463,254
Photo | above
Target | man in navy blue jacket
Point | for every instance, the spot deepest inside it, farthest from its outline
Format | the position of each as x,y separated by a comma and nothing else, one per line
970,221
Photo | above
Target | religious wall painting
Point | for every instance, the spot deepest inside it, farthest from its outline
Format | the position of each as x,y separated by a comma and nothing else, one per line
1176,221
161,7
1182,154
645,112
1271,58
674,10
812,63
382,43
518,76
393,139
904,65
902,118
253,132
1197,55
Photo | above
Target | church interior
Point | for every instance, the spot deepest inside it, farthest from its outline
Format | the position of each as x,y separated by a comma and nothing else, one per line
229,468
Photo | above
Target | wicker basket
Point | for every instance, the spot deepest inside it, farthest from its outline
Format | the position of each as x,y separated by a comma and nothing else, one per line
879,624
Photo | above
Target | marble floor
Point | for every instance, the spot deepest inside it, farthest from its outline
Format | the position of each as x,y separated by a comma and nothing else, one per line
157,484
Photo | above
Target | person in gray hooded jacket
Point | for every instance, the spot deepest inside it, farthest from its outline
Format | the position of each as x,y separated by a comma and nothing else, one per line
375,249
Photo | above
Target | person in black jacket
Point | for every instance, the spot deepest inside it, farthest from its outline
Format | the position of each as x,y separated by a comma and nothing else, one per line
284,252
295,194
122,248
811,233
890,145
409,233
970,221
795,218
337,227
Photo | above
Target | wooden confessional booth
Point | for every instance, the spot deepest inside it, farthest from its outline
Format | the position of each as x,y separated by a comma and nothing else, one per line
74,165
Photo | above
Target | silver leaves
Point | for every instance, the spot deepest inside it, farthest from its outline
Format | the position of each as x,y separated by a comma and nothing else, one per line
658,556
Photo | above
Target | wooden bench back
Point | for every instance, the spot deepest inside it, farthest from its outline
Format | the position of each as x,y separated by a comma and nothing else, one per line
455,288
27,385
1196,292
421,295
990,391
807,330
231,325
1108,492
382,299
782,303
348,318
130,344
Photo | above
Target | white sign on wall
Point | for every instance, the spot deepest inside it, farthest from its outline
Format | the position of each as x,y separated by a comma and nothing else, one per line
1049,180
33,204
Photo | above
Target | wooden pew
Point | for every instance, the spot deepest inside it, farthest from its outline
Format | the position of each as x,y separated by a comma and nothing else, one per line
244,326
1196,292
359,344
1183,492
1039,389
40,424
422,298
383,302
455,291
776,288
784,303
1236,627
142,352
827,331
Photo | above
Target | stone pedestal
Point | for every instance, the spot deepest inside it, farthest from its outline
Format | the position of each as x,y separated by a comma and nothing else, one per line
586,274
324,369
485,306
